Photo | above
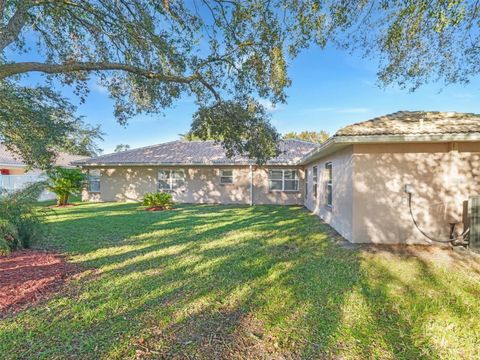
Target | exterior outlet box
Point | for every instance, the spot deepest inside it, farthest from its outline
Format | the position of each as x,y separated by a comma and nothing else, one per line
474,217
409,188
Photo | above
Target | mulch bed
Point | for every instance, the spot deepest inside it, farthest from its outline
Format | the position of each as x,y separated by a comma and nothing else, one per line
156,208
28,276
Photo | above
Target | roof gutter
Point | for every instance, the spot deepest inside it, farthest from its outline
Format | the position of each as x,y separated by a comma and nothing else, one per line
123,164
331,145
19,166
337,142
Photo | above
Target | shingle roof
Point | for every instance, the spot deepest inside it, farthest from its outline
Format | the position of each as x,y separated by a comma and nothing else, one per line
197,153
67,160
9,158
415,123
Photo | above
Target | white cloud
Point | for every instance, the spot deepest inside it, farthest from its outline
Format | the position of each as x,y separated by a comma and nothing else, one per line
353,110
338,110
99,88
321,109
269,106
466,96
368,82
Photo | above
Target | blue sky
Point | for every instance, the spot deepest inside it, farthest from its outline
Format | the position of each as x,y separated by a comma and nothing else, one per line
330,89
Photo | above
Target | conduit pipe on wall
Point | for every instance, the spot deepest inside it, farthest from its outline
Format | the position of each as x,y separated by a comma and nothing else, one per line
409,190
251,185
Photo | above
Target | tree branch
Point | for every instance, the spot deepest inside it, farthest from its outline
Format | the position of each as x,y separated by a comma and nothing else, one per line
210,87
10,32
3,4
7,70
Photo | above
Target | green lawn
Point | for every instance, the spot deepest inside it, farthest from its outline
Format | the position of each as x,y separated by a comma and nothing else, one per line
242,282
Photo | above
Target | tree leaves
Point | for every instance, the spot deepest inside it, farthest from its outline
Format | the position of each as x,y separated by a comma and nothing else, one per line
241,126
37,123
150,53
312,136
65,182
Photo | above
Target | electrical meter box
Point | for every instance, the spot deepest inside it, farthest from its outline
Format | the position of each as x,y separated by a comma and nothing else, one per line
474,220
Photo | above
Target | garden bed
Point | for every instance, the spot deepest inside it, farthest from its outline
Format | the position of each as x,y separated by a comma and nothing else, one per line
156,208
27,276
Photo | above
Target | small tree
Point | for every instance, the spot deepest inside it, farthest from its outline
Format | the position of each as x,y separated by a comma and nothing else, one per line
312,136
65,182
121,147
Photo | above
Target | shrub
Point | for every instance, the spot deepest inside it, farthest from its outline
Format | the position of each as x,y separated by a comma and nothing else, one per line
9,239
4,248
18,211
160,200
65,182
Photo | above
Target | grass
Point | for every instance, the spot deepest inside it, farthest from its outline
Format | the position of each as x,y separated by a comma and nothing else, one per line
241,282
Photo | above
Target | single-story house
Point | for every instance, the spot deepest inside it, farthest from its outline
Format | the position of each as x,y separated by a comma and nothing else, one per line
12,164
355,181
15,174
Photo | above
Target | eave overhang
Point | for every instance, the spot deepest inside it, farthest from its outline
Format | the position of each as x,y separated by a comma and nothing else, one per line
336,143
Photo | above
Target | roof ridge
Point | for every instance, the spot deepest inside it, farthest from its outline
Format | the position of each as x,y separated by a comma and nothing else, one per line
197,140
412,122
136,149
188,152
303,141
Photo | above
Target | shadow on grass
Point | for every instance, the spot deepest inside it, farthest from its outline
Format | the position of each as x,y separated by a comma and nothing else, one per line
206,282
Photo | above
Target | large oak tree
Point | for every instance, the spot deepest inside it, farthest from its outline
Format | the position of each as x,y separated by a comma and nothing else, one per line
226,53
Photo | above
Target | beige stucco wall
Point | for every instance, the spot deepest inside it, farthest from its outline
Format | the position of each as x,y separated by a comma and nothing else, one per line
202,185
444,175
339,215
263,195
123,184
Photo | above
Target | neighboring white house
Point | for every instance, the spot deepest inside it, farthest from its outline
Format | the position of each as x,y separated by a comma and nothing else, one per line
15,175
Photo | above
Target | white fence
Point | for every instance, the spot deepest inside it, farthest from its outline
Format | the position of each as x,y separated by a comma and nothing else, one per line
18,182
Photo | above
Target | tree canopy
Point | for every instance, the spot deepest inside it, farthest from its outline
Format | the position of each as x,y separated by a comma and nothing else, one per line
418,41
37,123
121,147
150,53
311,136
247,125
189,136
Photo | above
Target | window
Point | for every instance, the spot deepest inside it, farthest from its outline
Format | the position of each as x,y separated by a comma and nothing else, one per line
170,179
329,187
315,182
94,181
226,177
283,180
306,183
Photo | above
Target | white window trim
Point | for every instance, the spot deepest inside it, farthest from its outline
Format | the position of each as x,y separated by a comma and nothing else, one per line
222,176
329,183
170,179
315,182
96,177
297,180
306,183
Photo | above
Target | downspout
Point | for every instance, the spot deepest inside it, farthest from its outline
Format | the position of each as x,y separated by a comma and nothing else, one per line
251,185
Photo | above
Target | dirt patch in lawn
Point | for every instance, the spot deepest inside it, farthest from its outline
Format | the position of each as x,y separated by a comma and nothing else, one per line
28,276
446,255
231,335
61,206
